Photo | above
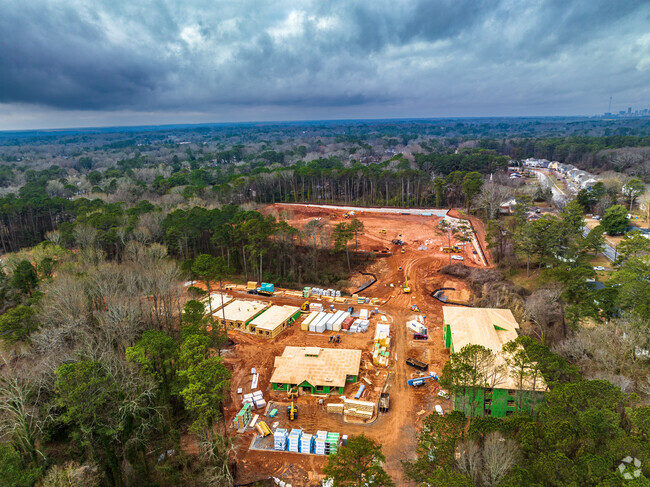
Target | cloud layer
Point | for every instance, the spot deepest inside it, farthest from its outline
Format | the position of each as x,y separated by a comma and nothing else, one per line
88,62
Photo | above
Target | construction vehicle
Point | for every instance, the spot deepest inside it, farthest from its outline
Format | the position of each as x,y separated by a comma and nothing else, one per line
292,393
251,286
451,250
292,412
384,402
304,307
407,289
403,250
266,289
414,307
350,214
420,381
418,364
397,241
382,231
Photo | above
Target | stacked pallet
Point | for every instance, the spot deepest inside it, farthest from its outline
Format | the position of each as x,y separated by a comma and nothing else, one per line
294,440
243,417
304,326
280,438
335,408
306,443
358,409
319,442
381,352
256,398
331,443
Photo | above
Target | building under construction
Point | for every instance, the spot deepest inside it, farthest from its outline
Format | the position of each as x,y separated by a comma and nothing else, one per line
315,369
491,328
238,313
273,321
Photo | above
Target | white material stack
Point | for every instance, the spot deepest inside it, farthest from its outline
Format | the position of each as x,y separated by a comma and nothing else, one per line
256,378
294,440
363,325
382,328
312,325
258,399
363,313
316,307
337,324
319,442
306,443
280,438
333,319
248,398
320,325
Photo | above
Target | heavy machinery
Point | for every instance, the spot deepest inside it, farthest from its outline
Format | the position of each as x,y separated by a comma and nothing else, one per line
403,250
266,289
451,250
292,411
407,289
382,231
304,307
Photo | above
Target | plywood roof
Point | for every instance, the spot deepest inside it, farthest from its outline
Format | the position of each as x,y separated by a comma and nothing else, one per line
492,328
329,368
240,310
274,317
217,302
477,326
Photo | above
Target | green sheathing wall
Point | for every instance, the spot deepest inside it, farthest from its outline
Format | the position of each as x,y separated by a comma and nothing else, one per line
351,378
447,331
307,385
497,403
279,387
254,316
294,317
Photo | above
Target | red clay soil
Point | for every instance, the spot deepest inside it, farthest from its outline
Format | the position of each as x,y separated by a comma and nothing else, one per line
396,430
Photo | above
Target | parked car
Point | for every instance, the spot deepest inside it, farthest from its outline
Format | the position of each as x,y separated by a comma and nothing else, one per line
443,394
439,409
457,257
599,268
420,336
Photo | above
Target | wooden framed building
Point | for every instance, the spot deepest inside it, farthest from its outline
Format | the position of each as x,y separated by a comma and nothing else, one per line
315,369
239,313
274,320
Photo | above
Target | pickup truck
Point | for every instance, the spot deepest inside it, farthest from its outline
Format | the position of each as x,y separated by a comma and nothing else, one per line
417,364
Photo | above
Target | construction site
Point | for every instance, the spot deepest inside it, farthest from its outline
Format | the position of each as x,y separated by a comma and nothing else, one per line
313,367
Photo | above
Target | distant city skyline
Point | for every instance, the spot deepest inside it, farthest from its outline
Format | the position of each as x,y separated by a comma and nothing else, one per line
86,64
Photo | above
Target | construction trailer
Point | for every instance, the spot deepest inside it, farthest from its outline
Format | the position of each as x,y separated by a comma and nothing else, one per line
492,328
274,321
315,369
239,313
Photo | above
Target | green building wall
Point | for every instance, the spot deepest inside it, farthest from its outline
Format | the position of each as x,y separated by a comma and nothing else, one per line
497,403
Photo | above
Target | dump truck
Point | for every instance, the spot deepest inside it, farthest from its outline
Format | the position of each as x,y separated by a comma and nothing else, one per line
266,289
450,250
251,286
384,402
418,364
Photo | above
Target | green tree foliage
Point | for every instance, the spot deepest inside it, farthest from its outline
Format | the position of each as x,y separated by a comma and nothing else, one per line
156,353
615,220
342,234
359,464
17,323
24,277
472,183
14,472
632,190
630,281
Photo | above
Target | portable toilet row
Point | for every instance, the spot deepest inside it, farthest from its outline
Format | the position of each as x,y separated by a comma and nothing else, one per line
316,291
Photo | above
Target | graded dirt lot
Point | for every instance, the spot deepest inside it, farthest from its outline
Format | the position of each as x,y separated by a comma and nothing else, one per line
395,430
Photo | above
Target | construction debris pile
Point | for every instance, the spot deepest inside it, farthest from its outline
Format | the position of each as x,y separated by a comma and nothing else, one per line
297,441
381,352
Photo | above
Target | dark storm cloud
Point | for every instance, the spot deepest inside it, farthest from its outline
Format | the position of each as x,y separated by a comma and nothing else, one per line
423,57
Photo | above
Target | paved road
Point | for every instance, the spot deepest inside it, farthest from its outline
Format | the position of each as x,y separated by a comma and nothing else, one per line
608,251
559,196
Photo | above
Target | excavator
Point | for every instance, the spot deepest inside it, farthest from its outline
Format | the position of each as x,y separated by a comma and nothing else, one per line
292,411
304,307
407,289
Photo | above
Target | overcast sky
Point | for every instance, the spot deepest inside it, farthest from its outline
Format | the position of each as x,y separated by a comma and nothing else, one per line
86,63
